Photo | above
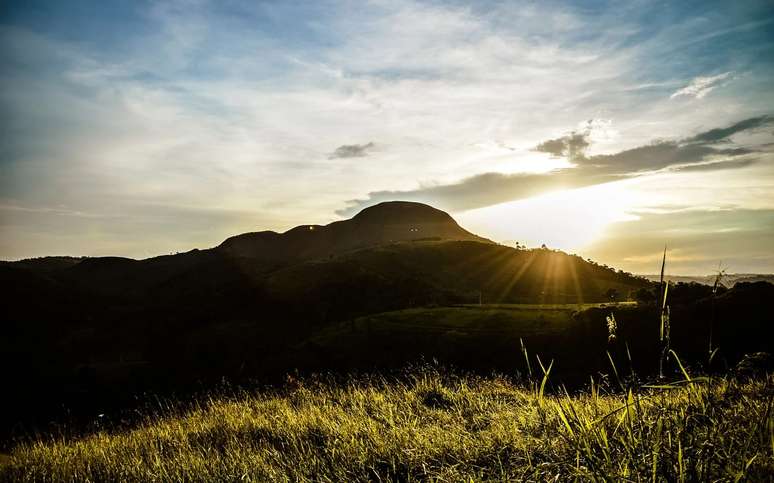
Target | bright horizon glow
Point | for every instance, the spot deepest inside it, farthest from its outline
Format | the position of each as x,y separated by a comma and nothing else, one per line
567,220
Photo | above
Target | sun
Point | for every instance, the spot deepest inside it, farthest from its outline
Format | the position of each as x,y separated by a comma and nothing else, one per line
568,220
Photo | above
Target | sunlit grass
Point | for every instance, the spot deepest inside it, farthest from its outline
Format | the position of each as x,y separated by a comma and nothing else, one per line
431,426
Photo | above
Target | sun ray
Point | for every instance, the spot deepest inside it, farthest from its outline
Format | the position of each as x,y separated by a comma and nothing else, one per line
575,281
548,275
516,277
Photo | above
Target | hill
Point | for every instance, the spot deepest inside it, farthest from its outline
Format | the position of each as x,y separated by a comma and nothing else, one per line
388,222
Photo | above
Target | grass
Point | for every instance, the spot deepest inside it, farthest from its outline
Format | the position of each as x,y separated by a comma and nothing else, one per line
484,335
431,426
559,307
514,319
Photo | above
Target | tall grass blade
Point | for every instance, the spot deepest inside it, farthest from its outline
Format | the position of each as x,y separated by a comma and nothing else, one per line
746,468
615,371
663,264
526,357
682,369
546,373
712,355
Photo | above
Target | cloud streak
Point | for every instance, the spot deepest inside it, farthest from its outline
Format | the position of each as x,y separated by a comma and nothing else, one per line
723,134
701,86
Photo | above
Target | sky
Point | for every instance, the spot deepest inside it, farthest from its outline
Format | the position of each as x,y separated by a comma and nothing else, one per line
607,129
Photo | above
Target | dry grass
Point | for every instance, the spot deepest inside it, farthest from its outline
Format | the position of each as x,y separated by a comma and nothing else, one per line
436,427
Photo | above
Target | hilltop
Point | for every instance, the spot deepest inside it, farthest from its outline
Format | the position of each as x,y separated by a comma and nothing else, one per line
388,222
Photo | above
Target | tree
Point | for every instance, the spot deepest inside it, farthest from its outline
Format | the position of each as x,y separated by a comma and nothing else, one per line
644,296
612,294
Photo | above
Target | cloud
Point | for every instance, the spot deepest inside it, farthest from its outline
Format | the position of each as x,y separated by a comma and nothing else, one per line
658,155
352,151
476,191
572,146
722,134
719,165
701,86
487,189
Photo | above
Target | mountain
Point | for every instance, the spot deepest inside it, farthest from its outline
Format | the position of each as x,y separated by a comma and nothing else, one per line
389,222
401,253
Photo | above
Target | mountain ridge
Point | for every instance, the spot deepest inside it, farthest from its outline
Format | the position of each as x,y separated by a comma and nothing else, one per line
431,253
387,222
728,279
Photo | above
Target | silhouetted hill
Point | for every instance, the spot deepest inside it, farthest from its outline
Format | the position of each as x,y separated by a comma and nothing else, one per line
47,263
384,223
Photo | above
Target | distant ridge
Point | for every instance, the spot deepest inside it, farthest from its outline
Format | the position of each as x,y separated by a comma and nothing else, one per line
729,279
381,224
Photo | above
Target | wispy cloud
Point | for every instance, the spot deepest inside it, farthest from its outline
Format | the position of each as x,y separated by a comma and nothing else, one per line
701,86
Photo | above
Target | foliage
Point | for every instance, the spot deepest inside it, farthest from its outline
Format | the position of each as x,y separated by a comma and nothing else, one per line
644,296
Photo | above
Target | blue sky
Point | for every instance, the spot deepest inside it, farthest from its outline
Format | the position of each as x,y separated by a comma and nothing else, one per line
142,128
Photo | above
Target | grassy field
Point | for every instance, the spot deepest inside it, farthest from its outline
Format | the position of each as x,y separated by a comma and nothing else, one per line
520,320
543,307
429,426
515,319
485,337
